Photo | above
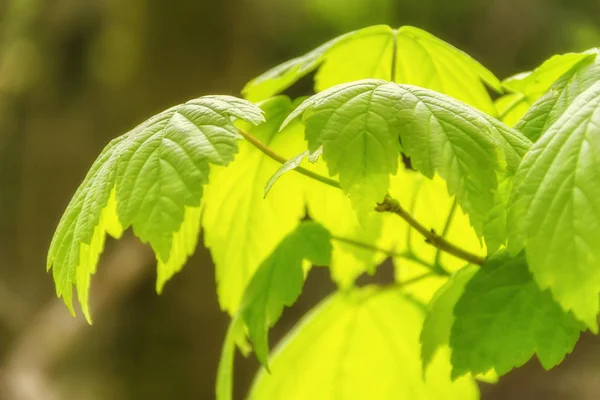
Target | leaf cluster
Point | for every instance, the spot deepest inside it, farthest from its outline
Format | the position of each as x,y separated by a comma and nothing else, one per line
485,195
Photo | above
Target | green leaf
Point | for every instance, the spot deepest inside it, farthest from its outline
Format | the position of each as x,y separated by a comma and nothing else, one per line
289,165
241,227
555,208
503,318
537,82
279,78
511,107
526,88
426,61
151,178
278,282
360,125
235,336
331,207
421,59
440,316
359,344
563,92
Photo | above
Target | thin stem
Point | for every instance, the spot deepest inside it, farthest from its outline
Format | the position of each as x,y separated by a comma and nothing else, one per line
271,154
391,205
388,205
436,269
438,253
408,282
367,246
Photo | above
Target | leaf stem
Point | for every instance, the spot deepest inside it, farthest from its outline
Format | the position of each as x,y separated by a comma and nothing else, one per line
388,205
391,205
408,282
436,269
271,154
438,253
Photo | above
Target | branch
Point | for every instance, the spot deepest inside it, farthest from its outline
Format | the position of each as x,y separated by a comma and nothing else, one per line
435,269
388,205
393,206
271,154
438,253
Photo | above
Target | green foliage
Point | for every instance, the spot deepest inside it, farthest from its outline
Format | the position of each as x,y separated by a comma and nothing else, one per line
564,91
440,316
527,87
278,282
151,179
555,208
361,125
421,59
503,318
235,213
362,344
425,171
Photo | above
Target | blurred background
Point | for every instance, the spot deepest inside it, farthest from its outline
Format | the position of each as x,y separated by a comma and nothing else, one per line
74,74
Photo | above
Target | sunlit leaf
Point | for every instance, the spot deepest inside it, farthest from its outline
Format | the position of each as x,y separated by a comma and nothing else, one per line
563,92
555,208
362,344
241,226
525,88
278,282
360,125
152,179
421,59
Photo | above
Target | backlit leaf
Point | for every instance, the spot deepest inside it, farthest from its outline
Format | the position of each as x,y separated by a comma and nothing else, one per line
360,125
525,88
421,59
563,92
555,208
152,179
361,344
278,282
241,226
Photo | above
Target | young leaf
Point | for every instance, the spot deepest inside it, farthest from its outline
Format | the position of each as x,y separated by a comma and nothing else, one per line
563,92
289,165
503,318
555,208
278,282
359,344
359,126
440,316
421,59
152,179
242,227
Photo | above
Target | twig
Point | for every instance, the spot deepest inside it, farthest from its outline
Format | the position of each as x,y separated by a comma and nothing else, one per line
388,205
393,206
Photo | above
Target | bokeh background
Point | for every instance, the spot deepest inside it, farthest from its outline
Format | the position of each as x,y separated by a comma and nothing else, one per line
74,74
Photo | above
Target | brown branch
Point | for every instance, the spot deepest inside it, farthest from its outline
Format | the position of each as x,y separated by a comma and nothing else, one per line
431,237
388,205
